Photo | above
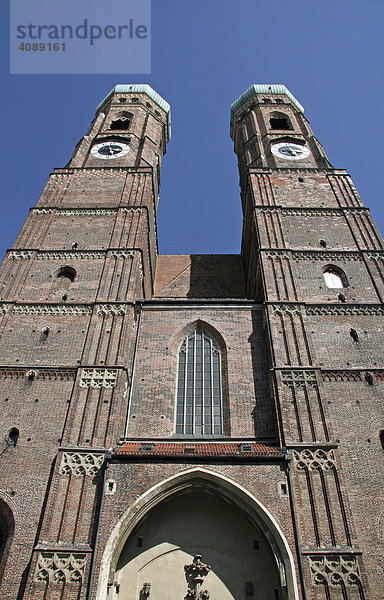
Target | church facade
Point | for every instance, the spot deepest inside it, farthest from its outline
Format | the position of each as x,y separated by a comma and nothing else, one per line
196,427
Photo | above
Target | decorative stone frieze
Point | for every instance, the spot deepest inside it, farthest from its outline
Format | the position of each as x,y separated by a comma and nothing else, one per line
131,210
286,309
326,256
311,212
344,309
12,373
269,210
272,254
70,255
107,169
359,375
113,309
86,211
335,570
98,378
355,209
299,378
379,255
312,255
52,309
79,464
42,211
20,254
4,309
54,374
123,253
314,459
341,376
60,567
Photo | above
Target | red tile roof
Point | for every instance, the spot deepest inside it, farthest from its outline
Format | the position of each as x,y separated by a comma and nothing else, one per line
192,448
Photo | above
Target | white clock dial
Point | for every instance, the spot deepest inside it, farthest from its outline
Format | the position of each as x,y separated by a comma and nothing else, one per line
290,151
108,150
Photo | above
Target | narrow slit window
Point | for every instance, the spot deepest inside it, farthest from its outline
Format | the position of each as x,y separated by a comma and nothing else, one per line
354,335
13,436
369,378
45,334
199,386
30,378
381,437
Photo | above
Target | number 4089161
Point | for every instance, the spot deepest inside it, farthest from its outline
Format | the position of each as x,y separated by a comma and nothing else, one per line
42,47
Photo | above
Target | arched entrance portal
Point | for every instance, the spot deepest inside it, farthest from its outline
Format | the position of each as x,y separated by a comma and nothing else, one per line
7,526
197,522
198,537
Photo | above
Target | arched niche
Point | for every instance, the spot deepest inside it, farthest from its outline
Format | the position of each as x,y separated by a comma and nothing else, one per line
64,276
197,512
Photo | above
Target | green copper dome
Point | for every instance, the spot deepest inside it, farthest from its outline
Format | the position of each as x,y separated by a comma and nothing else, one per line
138,88
262,88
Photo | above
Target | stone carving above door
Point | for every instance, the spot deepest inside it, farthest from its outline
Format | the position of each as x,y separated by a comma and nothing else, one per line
195,574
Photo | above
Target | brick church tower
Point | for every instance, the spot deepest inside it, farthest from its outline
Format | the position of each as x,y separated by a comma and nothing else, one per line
196,427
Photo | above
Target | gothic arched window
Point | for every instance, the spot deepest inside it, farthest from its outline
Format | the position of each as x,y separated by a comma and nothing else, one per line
334,277
65,276
199,386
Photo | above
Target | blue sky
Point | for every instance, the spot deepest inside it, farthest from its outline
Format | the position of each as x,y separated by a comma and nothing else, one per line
205,54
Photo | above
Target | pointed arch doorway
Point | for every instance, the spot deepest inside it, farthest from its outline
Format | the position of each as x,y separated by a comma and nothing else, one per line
7,526
197,522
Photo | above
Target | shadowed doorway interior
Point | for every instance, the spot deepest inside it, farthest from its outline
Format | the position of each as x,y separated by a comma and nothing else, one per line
197,545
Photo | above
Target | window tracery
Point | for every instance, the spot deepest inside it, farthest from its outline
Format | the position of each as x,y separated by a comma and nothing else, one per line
199,386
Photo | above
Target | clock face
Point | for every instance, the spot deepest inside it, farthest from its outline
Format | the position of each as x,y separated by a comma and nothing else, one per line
108,150
290,151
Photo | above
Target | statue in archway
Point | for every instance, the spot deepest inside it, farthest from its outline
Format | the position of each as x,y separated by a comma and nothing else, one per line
195,574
